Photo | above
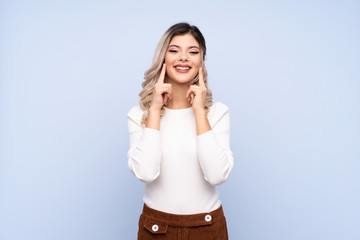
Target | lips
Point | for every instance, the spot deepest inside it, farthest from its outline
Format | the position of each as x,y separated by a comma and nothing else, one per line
182,68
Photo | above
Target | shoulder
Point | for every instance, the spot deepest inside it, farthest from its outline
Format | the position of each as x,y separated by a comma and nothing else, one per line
217,111
135,113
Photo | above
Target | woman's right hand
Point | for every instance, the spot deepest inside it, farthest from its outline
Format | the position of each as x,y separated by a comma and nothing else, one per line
162,91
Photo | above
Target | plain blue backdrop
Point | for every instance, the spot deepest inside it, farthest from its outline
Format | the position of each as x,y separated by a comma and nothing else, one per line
71,70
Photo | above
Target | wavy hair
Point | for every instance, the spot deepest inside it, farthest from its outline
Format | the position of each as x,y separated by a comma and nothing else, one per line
153,73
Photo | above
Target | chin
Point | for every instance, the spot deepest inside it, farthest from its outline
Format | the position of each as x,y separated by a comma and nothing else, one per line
182,78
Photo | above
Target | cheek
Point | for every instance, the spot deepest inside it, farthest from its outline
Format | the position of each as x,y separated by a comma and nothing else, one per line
197,62
168,69
169,58
195,69
197,65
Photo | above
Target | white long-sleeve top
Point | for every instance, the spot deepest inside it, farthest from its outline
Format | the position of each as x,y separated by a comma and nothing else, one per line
181,169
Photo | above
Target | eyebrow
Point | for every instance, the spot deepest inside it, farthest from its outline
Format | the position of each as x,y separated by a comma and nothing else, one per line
173,45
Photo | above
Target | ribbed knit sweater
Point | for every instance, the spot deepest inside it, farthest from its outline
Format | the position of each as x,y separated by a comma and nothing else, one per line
181,169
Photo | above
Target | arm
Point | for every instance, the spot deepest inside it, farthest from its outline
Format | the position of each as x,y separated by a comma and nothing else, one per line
215,157
144,155
202,122
213,145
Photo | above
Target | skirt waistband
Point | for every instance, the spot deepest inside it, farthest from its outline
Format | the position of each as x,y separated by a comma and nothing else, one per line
187,220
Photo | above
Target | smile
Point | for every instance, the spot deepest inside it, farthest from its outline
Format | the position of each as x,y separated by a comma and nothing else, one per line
182,68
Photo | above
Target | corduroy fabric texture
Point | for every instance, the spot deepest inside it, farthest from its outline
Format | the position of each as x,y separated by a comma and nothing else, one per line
154,224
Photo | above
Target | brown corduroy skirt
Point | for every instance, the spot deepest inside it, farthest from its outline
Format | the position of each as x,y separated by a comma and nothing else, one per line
154,224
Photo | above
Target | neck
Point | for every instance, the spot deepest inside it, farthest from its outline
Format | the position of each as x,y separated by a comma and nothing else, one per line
178,100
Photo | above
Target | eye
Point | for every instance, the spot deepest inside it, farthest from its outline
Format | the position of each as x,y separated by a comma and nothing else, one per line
173,50
194,52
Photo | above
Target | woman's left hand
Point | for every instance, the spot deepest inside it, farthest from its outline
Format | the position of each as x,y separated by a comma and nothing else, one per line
197,93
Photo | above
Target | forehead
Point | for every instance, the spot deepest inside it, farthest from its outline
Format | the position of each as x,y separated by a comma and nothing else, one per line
184,40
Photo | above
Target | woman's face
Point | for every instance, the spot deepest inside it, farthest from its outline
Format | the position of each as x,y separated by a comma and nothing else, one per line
183,59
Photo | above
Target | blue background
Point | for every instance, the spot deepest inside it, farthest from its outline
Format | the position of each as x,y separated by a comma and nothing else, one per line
71,70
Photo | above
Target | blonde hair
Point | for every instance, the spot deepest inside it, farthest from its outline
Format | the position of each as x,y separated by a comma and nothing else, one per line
153,73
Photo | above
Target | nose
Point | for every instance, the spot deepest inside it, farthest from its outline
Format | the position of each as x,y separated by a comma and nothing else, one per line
183,56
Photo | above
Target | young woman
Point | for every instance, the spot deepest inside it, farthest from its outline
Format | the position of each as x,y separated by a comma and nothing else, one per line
180,143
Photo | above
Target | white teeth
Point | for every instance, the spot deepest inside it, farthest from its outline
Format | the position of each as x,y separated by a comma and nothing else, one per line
183,68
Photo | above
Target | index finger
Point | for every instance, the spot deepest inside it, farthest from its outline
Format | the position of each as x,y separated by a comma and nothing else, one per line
201,78
162,74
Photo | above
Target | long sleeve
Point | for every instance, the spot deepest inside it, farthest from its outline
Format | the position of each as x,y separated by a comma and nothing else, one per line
215,157
144,155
